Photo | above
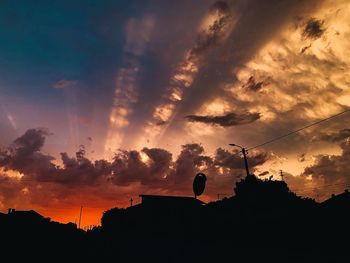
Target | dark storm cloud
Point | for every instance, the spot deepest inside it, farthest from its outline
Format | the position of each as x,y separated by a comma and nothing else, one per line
160,160
253,85
313,29
32,141
79,170
334,136
233,160
256,23
160,171
24,155
305,48
230,119
207,39
332,168
186,165
150,168
128,167
301,157
161,123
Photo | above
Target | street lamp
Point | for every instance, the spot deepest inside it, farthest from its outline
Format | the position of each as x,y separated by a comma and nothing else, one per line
244,152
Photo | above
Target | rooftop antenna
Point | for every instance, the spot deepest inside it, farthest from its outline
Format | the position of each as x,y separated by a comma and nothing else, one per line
282,175
244,152
81,211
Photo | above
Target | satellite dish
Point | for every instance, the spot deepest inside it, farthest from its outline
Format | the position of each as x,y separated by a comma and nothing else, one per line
199,184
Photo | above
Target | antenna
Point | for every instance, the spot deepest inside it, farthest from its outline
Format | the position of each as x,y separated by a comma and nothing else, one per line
131,201
282,175
81,211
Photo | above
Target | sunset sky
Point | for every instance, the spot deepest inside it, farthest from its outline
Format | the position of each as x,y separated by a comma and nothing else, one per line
101,101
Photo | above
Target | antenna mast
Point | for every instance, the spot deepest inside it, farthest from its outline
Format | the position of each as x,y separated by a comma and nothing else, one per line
81,211
282,175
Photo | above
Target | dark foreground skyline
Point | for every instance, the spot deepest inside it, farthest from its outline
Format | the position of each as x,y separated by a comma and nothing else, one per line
264,221
101,101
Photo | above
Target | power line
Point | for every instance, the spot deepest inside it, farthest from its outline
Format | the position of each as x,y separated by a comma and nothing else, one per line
298,130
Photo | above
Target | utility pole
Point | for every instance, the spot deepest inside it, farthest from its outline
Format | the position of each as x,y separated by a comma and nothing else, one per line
245,161
131,201
244,152
81,211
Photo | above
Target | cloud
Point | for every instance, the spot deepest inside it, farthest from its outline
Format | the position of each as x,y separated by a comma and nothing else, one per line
233,160
188,162
150,169
334,136
326,176
256,24
215,32
227,120
161,123
302,88
25,157
303,49
313,29
301,157
252,85
332,168
214,28
80,171
24,154
65,84
220,6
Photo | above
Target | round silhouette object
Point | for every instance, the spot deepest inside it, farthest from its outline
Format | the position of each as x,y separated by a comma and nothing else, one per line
199,184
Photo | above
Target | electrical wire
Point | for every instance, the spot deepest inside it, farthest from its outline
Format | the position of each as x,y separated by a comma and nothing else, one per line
298,130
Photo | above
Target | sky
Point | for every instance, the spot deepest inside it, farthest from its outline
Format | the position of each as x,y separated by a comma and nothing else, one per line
101,101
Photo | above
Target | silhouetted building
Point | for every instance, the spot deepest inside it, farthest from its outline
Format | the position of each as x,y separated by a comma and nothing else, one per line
2,215
162,201
340,200
25,214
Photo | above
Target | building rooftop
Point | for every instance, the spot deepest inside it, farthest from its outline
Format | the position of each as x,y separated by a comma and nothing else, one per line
170,201
340,199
